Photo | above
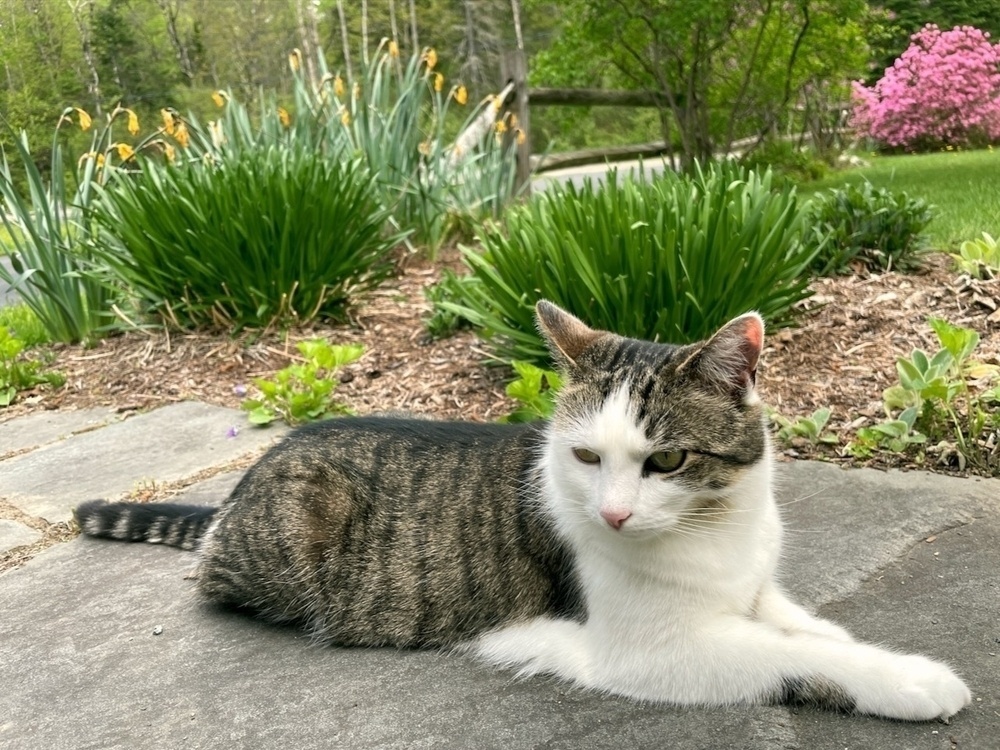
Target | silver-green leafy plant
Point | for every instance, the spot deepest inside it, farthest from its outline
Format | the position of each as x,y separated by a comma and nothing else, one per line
303,391
941,397
809,428
979,258
671,259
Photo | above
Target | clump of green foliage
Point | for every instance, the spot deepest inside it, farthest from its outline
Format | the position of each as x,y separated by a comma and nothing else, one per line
810,429
876,228
261,236
303,392
979,258
941,398
671,259
787,161
18,373
21,321
535,392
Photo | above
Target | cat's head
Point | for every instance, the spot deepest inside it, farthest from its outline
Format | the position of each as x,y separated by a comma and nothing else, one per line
647,438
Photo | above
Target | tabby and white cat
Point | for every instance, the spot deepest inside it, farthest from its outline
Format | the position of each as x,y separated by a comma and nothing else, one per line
628,545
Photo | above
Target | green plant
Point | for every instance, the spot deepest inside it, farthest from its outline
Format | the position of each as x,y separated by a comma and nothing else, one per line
398,119
808,428
940,398
21,321
261,236
893,435
53,271
303,392
671,259
535,390
979,258
17,373
874,227
787,161
443,322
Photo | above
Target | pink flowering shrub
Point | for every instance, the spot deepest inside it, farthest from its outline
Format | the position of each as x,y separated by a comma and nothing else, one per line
943,90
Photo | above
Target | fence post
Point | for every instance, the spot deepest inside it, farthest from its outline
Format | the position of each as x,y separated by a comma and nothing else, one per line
514,68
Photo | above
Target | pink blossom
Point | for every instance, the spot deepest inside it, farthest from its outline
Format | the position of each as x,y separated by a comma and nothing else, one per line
943,90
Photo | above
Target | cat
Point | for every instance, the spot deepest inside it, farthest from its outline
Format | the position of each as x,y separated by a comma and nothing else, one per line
628,545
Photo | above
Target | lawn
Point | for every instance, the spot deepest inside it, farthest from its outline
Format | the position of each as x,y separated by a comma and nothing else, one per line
963,185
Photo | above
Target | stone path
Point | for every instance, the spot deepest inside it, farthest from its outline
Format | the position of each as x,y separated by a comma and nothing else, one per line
103,645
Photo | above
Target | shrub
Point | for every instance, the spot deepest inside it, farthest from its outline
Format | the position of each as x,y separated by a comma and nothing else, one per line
787,161
261,236
21,321
53,271
979,258
943,90
876,227
18,373
671,259
303,392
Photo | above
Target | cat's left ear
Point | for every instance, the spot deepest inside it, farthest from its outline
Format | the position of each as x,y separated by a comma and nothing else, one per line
728,360
566,335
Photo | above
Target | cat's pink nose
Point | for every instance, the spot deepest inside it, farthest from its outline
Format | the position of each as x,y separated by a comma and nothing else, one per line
615,517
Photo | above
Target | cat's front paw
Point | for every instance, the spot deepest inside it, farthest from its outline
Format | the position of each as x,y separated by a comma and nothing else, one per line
914,688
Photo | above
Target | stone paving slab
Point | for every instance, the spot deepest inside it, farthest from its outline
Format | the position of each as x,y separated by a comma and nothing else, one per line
168,444
14,534
41,428
77,644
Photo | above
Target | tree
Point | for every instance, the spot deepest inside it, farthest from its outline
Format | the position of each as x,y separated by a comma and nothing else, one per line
723,70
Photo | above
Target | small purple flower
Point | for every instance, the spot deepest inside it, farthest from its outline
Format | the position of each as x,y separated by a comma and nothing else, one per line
232,432
240,390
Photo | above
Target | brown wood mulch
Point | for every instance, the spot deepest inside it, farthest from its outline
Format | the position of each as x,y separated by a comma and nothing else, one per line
842,356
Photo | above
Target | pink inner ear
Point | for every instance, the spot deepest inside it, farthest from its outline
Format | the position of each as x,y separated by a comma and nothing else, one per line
753,333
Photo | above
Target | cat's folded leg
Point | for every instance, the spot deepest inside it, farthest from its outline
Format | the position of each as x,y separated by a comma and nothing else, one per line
539,646
774,607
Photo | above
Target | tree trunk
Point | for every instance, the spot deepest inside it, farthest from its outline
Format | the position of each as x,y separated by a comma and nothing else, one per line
83,26
171,9
413,28
345,40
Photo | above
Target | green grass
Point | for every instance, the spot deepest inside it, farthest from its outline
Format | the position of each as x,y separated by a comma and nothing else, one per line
22,323
964,187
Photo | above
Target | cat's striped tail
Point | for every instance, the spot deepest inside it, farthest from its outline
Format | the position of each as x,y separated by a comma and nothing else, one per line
156,523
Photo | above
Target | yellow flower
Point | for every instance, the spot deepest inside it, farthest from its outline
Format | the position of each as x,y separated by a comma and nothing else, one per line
100,160
133,122
393,48
501,126
295,60
125,151
438,81
219,97
182,136
425,148
85,121
345,118
338,86
461,95
168,121
497,104
431,58
513,120
286,119
521,137
170,151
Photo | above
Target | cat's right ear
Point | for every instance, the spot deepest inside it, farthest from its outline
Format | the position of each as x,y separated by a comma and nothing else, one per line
566,335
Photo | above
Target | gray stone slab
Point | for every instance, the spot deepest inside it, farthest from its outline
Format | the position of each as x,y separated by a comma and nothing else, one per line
14,534
843,525
41,428
168,444
85,670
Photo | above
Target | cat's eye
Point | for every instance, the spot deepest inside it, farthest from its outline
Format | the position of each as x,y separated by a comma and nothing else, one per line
587,456
665,462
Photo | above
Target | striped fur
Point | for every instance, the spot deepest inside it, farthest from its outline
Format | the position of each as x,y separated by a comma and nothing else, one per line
156,523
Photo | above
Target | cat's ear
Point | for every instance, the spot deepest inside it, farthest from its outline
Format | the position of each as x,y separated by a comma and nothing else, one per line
728,360
566,335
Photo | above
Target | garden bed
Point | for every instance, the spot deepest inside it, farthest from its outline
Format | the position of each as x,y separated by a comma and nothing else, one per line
842,356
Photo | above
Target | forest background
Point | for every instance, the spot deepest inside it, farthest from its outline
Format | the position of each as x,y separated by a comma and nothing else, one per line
724,70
